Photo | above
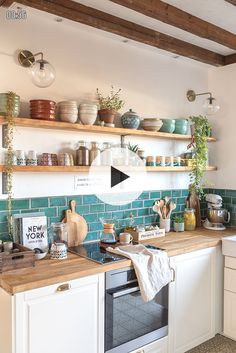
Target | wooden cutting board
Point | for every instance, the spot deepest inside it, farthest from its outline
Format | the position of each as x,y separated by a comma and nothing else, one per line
76,225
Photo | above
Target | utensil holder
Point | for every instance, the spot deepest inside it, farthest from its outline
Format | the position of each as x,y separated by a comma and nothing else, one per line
165,224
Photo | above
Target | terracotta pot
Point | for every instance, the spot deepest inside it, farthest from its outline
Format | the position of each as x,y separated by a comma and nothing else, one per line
107,115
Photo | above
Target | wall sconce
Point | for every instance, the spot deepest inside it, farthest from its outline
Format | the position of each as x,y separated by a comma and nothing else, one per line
41,71
210,106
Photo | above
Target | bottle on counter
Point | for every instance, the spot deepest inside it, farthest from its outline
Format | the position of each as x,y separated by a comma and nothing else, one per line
82,154
189,219
95,154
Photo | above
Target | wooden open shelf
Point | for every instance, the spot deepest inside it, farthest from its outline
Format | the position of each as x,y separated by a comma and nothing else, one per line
76,169
59,125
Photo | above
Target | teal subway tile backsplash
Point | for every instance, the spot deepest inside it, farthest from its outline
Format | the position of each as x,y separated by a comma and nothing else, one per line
40,202
93,209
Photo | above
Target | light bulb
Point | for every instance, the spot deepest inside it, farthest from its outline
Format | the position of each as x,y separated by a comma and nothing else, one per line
210,106
42,73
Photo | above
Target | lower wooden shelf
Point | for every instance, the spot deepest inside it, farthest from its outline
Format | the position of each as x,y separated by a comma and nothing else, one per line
76,169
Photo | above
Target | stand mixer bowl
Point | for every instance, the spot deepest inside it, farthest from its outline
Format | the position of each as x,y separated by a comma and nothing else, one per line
218,215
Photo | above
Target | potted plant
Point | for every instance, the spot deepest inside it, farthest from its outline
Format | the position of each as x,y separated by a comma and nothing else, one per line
201,131
109,105
178,223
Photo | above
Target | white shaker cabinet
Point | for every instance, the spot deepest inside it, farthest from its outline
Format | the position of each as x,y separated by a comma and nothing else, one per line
61,318
195,299
230,297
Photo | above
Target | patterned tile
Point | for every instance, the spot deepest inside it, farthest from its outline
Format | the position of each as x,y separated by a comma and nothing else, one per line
218,344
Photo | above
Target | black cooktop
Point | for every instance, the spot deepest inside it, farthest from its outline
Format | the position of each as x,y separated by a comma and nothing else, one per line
94,252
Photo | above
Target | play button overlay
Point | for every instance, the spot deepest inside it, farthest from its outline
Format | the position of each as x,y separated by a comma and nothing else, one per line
117,176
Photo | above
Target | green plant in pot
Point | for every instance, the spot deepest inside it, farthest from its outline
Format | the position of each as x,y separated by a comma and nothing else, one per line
109,105
178,223
201,131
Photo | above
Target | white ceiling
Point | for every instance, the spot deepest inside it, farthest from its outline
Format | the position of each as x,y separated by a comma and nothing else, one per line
218,12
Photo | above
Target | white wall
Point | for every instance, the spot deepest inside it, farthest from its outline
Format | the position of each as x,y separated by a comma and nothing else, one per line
222,82
152,84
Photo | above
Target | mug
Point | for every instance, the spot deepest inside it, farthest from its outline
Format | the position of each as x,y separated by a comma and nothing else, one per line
58,251
20,157
125,238
32,158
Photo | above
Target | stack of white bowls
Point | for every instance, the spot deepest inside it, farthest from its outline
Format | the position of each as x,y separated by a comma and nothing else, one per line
68,111
88,113
15,102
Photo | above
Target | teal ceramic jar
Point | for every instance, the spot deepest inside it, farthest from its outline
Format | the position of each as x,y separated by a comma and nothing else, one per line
130,120
181,126
168,125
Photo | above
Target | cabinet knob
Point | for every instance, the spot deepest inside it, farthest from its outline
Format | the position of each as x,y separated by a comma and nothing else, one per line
63,287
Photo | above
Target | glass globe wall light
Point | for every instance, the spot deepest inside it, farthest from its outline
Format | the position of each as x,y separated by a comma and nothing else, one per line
41,71
210,105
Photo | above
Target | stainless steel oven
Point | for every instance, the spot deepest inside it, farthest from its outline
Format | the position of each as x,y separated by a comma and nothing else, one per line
131,323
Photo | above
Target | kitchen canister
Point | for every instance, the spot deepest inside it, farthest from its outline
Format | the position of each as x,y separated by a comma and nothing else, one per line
165,224
20,157
130,120
181,126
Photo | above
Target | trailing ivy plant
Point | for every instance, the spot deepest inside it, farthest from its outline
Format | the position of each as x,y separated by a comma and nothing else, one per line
9,157
201,131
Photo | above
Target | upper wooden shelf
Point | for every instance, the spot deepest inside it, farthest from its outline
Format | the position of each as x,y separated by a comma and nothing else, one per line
60,125
74,169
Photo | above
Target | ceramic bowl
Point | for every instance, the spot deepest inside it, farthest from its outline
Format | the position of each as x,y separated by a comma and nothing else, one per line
168,125
40,256
69,118
181,126
88,110
87,119
151,124
88,105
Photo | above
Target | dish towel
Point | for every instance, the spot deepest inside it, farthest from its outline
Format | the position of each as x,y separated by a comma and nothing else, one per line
152,268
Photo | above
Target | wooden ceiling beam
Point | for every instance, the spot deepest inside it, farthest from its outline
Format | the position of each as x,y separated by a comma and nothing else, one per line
106,22
233,2
6,3
173,16
230,59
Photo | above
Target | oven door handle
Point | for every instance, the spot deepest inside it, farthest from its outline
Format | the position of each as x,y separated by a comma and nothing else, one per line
124,292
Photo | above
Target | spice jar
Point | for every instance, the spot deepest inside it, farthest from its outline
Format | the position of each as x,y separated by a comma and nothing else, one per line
82,154
94,154
189,219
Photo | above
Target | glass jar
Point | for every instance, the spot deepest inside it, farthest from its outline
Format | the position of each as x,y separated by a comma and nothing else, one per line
189,219
95,154
58,233
82,154
106,156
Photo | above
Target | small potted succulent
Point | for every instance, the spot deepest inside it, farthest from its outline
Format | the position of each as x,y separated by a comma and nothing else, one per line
178,223
109,105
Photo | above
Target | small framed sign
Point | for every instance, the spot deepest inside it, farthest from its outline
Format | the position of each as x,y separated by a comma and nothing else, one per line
34,232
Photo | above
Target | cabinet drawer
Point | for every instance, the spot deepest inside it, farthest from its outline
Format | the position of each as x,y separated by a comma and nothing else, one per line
230,280
159,346
230,262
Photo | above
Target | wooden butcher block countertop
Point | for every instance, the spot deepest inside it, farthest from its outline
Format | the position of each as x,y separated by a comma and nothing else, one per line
47,272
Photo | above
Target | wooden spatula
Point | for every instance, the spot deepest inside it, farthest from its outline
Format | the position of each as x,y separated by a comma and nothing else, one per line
77,226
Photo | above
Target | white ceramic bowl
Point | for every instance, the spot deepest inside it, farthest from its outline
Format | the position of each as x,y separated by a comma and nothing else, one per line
151,124
69,118
67,103
87,119
87,105
88,111
41,255
69,111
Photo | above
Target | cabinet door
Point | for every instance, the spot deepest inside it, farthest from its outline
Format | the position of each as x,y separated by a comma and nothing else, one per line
192,300
230,314
65,321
